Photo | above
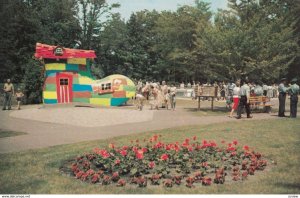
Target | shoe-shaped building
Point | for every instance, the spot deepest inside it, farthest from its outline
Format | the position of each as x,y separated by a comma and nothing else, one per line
68,78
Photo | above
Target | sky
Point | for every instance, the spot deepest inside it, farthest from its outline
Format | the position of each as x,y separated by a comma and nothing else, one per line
129,6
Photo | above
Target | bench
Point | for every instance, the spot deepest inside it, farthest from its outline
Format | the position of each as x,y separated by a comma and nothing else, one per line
257,101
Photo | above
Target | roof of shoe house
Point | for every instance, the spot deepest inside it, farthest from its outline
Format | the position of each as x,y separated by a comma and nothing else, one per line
48,51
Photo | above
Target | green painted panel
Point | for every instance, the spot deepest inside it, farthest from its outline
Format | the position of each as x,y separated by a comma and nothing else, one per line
84,100
50,87
94,95
86,73
128,88
75,80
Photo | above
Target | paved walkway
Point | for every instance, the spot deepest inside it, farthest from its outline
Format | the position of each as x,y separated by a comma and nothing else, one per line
46,132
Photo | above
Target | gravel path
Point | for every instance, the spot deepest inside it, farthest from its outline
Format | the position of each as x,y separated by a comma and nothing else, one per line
84,117
50,126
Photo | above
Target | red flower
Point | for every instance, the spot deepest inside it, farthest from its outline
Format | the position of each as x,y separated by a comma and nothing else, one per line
111,146
90,172
95,178
164,157
135,149
231,149
246,148
223,142
151,165
244,175
168,147
233,154
79,174
235,142
145,150
204,164
190,149
121,183
123,153
139,154
213,143
195,138
117,161
204,142
125,147
103,153
206,181
177,148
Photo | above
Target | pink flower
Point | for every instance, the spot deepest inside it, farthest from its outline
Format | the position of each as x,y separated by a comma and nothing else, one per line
164,157
117,161
151,165
123,153
139,154
233,153
190,149
195,138
204,164
145,150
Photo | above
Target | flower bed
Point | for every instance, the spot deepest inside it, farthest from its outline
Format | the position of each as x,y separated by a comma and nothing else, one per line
156,163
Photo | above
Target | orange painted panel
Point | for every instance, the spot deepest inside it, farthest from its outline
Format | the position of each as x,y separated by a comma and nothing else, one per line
119,94
83,94
50,80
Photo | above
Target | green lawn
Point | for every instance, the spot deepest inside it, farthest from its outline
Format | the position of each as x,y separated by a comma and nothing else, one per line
4,133
37,171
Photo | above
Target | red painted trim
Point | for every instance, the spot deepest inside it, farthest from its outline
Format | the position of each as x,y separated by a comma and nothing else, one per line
46,51
61,98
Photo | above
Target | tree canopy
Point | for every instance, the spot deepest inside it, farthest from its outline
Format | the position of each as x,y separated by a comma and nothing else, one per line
258,39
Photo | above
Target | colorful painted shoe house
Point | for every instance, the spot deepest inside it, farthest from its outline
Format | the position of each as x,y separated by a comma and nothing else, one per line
68,79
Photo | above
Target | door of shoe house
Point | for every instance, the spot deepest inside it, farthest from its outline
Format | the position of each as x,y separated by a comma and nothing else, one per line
64,88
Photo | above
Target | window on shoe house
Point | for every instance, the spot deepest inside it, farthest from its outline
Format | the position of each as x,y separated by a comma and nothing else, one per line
106,86
63,81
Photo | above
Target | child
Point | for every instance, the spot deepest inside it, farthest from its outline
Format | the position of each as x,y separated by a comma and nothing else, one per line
140,101
173,97
168,98
19,96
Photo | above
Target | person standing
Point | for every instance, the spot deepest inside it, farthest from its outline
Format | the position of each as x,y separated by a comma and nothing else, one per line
294,92
265,89
19,96
244,100
8,93
173,97
282,96
236,94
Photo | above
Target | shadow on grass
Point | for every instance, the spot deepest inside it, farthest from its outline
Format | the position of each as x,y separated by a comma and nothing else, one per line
4,134
290,186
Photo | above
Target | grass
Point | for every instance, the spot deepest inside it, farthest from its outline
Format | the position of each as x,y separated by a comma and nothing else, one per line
4,133
37,171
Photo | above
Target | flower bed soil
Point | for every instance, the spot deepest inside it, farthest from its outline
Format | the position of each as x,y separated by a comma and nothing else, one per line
188,163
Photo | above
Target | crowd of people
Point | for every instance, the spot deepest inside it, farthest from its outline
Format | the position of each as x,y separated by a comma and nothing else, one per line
237,94
159,96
